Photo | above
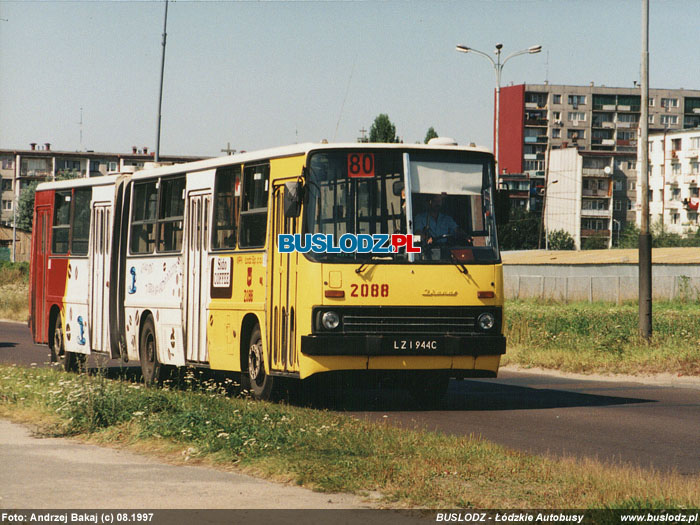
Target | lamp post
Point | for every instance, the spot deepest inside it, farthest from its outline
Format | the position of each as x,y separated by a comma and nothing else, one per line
498,67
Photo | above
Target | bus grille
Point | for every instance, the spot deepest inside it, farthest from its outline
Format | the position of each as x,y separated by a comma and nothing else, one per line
448,322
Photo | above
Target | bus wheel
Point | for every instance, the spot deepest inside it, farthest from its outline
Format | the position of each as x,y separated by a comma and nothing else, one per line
58,349
256,381
148,352
428,389
74,362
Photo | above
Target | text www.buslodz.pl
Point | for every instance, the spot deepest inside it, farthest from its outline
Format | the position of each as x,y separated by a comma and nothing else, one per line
347,243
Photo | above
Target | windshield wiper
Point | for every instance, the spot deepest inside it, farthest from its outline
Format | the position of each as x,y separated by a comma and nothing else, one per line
460,265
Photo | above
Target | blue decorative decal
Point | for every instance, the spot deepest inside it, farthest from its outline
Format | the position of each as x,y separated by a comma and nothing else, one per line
81,337
132,288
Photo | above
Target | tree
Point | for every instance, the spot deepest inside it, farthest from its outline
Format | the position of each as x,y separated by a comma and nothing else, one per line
25,207
521,231
431,134
560,240
382,130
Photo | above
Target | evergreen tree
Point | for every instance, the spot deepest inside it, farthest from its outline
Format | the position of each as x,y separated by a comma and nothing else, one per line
431,134
382,130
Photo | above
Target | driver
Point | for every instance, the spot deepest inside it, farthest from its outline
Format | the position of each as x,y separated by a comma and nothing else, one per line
434,226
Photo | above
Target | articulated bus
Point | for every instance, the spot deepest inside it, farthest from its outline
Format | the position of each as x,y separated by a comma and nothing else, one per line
183,265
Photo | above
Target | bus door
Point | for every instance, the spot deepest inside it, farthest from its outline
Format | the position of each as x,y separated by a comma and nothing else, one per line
41,249
197,296
99,282
283,291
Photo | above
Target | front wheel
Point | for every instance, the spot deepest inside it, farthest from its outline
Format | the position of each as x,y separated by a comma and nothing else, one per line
255,380
148,352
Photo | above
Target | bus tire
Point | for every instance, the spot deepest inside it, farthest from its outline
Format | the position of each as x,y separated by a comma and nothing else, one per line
255,380
148,353
58,348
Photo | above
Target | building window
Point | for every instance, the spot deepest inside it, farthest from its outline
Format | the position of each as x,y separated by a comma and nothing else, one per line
694,167
6,185
650,119
618,185
675,194
7,205
576,134
694,142
695,192
631,165
556,99
577,115
575,100
556,133
617,205
629,205
669,102
651,195
113,166
631,185
651,102
669,120
674,218
7,163
627,117
693,217
626,135
556,115
675,168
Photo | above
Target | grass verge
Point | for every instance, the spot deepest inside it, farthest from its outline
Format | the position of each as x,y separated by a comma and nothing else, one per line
323,450
14,291
603,338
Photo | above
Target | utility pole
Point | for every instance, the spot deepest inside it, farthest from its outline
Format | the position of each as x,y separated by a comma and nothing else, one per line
160,93
644,235
228,149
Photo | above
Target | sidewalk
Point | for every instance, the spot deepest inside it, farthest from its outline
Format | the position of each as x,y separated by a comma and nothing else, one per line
51,473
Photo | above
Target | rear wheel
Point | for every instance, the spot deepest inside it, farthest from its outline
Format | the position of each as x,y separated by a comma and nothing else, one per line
72,362
255,380
148,352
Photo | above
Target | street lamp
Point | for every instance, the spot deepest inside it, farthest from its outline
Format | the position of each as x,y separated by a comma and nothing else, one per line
498,67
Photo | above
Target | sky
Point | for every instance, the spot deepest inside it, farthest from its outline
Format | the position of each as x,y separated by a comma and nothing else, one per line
259,74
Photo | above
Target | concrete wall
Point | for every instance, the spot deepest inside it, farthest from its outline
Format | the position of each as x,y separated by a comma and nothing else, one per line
613,282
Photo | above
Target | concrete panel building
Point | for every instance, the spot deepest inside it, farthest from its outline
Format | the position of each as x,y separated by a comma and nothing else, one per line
592,118
674,179
19,167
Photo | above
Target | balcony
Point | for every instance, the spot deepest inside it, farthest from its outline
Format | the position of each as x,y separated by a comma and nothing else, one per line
595,172
536,122
594,193
595,213
595,233
35,173
626,124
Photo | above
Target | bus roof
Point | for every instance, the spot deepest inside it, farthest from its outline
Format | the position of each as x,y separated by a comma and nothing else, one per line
76,183
288,151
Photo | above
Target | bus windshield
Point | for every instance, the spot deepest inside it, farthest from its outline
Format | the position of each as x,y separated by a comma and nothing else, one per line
364,192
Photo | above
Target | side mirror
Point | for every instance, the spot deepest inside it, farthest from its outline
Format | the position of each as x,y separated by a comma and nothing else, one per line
397,187
293,194
502,207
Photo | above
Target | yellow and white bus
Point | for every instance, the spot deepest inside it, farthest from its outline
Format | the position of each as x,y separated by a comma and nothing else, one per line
193,273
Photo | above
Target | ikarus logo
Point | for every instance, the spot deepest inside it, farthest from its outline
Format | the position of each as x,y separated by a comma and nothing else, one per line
380,243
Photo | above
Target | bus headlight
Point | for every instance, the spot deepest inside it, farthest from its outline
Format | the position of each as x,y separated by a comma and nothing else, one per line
330,320
486,321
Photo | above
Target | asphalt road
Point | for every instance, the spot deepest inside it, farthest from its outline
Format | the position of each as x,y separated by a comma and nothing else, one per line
618,422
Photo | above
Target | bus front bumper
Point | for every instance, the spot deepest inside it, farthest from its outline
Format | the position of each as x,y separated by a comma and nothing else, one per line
393,345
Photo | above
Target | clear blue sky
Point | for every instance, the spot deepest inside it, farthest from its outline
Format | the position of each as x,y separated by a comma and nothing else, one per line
263,74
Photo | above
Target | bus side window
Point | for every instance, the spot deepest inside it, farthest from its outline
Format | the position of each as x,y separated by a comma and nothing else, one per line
226,202
171,214
80,224
143,217
254,206
61,222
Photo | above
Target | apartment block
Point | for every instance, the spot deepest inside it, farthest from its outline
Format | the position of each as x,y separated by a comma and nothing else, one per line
18,168
534,117
674,176
590,194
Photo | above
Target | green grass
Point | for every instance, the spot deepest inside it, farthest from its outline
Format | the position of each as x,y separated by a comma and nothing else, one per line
602,337
323,450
